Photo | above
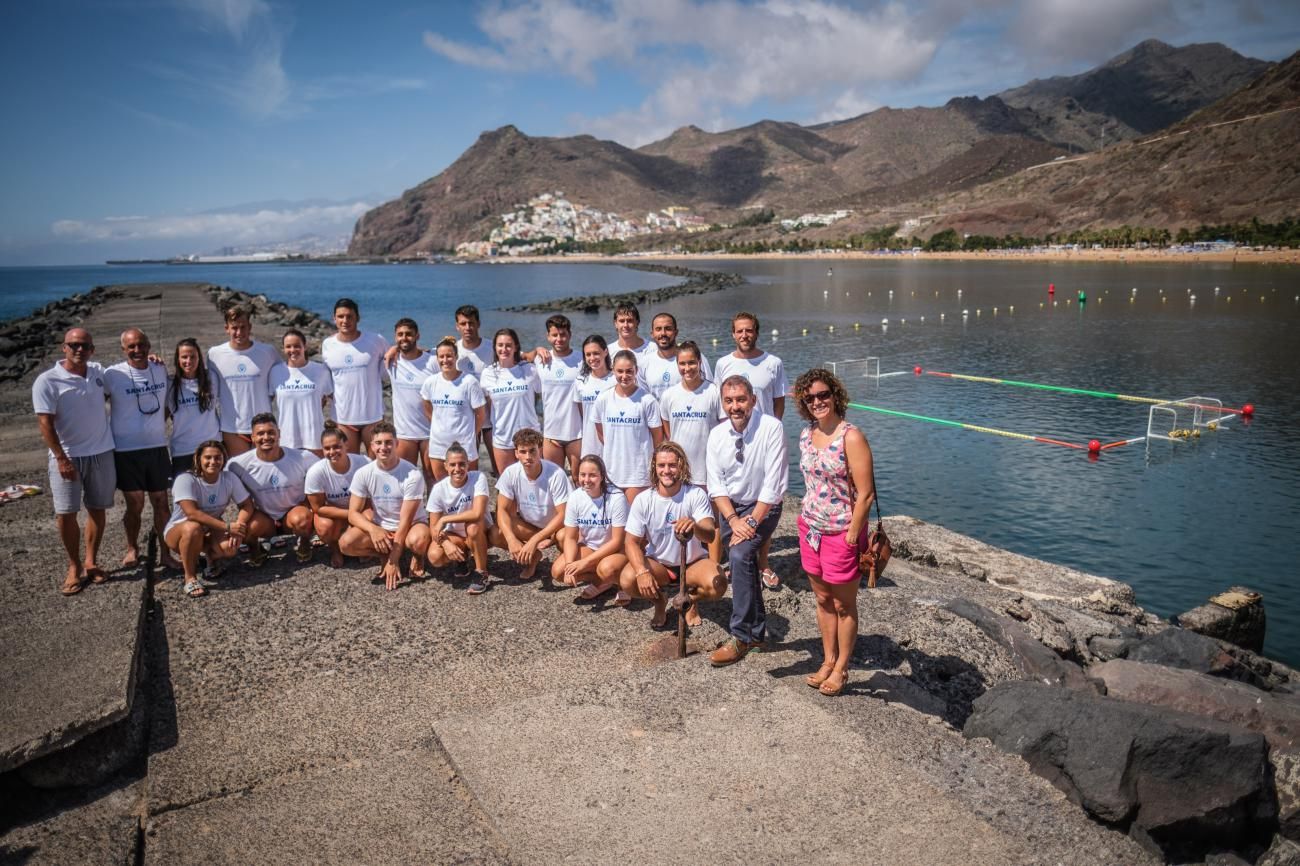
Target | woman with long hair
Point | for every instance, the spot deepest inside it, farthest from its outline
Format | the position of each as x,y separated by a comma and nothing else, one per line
328,488
839,488
192,400
301,389
594,378
200,497
591,546
512,388
629,427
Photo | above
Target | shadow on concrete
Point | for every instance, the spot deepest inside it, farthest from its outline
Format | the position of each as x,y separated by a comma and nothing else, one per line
163,731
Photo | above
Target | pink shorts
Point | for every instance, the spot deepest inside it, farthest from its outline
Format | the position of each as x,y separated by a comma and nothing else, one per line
835,561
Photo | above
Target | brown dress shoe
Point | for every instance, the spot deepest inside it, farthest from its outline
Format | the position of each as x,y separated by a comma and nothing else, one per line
732,651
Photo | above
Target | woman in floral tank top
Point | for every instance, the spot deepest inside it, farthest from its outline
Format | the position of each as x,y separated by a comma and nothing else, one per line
836,463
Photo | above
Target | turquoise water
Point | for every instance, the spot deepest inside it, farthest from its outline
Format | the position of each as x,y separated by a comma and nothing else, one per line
1178,521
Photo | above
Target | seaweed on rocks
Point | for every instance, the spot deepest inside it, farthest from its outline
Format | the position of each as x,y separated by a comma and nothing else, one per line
696,283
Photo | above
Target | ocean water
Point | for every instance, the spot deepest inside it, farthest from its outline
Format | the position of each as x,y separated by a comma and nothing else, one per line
1178,521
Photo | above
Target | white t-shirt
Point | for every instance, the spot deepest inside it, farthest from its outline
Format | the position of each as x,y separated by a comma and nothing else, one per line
406,379
648,347
585,392
595,519
559,413
658,374
298,392
537,500
321,478
358,381
766,373
512,391
453,404
190,424
627,423
278,486
690,416
474,360
211,499
446,499
77,404
387,489
135,400
244,374
652,517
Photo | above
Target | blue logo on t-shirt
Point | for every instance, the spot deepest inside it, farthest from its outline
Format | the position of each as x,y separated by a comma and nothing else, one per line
347,359
242,367
559,372
667,377
275,479
212,498
388,488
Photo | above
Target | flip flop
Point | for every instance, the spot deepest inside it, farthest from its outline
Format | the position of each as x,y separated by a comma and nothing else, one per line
75,587
96,575
621,599
593,591
770,578
194,589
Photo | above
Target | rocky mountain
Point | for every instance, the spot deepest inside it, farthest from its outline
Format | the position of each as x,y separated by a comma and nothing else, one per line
879,164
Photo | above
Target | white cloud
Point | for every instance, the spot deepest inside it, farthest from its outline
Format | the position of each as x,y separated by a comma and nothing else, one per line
263,225
848,104
1068,30
232,15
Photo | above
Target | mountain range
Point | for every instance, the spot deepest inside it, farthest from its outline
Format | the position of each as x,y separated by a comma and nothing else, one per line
1124,142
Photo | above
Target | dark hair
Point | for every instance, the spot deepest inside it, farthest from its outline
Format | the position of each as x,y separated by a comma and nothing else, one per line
559,322
669,316
839,394
200,375
469,311
737,380
673,448
264,418
626,355
204,446
600,464
382,427
585,370
527,436
450,343
456,447
744,315
294,332
506,332
627,309
333,429
406,322
236,311
691,346
347,304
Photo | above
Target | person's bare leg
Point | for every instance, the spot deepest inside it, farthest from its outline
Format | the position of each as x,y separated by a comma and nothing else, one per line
524,531
501,458
409,450
632,493
131,526
158,502
573,451
704,582
70,535
827,626
478,542
329,531
187,539
354,439
845,600
236,444
96,520
628,583
486,436
553,450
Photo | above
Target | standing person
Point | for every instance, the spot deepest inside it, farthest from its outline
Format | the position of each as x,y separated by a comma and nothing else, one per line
355,358
561,417
197,523
301,389
629,427
532,493
747,482
766,373
627,320
68,400
594,378
691,409
658,369
511,387
135,389
474,354
591,547
192,400
277,478
406,375
672,513
386,510
454,408
242,368
459,520
328,488
839,486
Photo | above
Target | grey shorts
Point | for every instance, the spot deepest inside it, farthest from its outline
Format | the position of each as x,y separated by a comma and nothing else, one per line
95,482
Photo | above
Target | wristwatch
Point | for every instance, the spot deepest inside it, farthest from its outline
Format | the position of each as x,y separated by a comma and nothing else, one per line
751,522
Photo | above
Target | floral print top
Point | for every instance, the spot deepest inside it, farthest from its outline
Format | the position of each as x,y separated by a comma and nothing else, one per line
828,487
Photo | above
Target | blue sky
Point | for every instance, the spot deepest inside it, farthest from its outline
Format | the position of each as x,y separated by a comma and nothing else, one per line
161,127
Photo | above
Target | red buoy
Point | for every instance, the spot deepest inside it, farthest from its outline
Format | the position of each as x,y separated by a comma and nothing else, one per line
1094,447
917,369
1247,410
1051,288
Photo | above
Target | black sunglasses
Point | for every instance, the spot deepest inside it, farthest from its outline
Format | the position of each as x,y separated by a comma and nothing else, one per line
740,449
78,346
810,397
144,405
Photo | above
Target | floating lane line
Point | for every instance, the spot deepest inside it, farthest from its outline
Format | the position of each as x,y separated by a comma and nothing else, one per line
1080,391
963,426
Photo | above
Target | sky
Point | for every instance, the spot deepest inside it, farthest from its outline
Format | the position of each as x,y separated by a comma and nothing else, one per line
152,128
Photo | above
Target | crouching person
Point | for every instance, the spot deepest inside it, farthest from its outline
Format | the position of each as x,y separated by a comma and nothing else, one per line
531,496
197,523
328,488
386,510
591,550
277,478
459,519
670,512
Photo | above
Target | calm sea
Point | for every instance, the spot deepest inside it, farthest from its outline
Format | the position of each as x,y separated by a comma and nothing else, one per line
1178,521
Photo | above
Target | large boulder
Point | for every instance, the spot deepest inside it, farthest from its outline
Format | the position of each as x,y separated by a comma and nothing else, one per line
1236,616
1182,786
1182,648
1035,661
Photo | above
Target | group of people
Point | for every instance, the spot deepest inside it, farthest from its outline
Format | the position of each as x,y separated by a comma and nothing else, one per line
645,460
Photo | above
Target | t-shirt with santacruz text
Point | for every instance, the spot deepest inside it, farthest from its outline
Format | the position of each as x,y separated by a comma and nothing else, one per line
358,381
190,424
690,416
585,392
298,393
445,498
244,375
452,404
595,519
277,486
211,499
537,499
336,486
512,391
652,516
136,405
627,424
387,489
657,374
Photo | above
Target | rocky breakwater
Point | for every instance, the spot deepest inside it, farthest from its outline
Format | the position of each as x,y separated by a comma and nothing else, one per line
274,314
696,283
25,342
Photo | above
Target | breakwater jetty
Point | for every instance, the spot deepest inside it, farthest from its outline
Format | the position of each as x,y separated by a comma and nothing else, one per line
694,283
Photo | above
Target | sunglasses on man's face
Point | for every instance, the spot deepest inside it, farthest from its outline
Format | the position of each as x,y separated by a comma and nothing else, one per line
78,346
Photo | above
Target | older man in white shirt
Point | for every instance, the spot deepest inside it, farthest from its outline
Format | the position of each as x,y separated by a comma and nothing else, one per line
747,481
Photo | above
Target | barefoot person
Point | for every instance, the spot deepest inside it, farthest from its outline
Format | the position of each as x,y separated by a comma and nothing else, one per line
410,369
839,489
531,496
68,400
629,427
301,389
594,378
242,368
658,369
454,408
511,387
747,480
136,388
197,523
591,548
328,488
459,520
667,515
561,417
277,479
386,510
192,399
355,359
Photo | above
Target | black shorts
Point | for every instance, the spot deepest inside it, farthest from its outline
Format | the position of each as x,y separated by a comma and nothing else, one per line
181,465
148,469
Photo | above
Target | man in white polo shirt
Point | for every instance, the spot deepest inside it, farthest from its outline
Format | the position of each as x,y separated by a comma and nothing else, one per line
136,388
277,479
747,480
68,400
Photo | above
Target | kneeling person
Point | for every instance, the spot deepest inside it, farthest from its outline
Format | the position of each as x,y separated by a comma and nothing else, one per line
592,543
459,519
386,510
277,479
328,488
670,512
531,498
197,525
